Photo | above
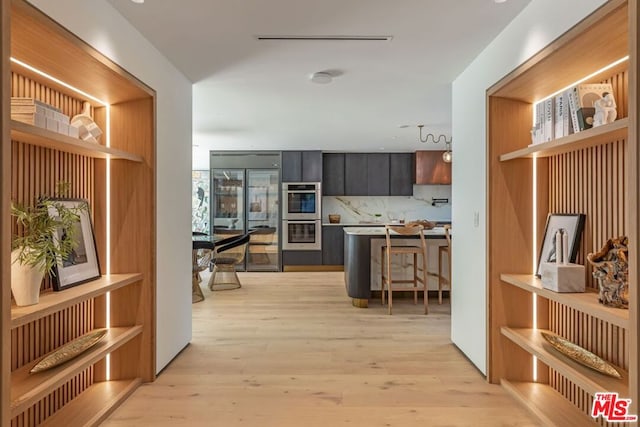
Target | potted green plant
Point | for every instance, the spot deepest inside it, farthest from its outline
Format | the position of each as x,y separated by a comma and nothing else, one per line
46,235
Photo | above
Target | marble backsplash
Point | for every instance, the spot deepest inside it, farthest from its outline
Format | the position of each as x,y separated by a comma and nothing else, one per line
354,209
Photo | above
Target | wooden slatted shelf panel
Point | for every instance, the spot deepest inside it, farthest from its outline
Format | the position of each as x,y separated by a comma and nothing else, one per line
95,404
27,389
591,381
586,302
547,404
52,302
588,138
34,135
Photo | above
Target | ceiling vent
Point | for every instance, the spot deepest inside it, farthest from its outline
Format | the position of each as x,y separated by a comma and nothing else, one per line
327,38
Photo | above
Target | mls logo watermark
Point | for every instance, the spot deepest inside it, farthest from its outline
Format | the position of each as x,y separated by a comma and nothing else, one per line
612,408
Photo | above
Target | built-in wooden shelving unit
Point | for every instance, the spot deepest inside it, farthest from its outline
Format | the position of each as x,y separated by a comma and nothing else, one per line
118,181
594,172
52,302
40,137
586,302
547,404
588,138
28,388
95,404
532,341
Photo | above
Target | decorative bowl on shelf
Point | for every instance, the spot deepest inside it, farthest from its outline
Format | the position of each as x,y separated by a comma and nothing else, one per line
69,351
427,225
334,219
581,355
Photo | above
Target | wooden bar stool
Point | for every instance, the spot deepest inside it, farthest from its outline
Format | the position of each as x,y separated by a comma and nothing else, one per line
444,250
388,250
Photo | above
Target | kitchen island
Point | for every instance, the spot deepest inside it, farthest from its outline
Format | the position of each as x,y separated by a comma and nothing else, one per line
362,249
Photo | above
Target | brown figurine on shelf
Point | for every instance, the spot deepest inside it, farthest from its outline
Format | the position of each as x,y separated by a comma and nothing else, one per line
611,270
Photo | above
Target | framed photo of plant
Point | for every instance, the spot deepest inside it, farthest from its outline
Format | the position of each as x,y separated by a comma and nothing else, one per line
80,264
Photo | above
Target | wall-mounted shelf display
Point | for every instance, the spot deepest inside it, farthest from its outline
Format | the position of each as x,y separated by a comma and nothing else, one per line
593,172
586,301
117,178
547,404
601,135
40,137
592,382
52,302
28,388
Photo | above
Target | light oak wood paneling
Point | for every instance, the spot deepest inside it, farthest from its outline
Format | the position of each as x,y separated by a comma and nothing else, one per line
133,209
603,35
5,227
53,402
592,182
545,403
36,172
592,172
633,204
510,219
35,39
38,160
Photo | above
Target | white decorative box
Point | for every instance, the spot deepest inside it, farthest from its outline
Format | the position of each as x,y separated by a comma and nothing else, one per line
562,277
40,120
52,124
73,132
63,128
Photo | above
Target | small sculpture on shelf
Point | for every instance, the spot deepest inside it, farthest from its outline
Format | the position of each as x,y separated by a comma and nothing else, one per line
605,110
611,270
88,130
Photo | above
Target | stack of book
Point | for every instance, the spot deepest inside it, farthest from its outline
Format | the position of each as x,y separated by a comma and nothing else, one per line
568,112
38,113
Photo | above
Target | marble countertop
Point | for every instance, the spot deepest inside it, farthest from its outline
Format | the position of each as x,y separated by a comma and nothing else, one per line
367,224
345,224
379,231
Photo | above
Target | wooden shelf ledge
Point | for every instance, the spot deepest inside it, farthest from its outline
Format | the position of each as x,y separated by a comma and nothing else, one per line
95,404
34,135
27,389
547,404
591,381
586,302
51,302
587,138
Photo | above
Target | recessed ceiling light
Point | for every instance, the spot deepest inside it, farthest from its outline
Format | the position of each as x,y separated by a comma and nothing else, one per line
403,126
321,77
138,1
499,1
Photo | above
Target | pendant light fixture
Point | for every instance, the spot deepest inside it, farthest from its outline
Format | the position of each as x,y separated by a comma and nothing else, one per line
447,156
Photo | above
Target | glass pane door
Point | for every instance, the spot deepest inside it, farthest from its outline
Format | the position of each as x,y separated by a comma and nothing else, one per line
262,217
228,201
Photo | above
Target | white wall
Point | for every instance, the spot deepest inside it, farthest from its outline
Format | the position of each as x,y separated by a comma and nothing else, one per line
538,24
100,25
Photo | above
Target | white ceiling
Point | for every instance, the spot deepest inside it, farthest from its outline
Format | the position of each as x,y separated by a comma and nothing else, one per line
256,95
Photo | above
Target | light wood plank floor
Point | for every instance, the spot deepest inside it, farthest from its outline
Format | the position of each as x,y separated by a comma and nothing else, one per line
288,349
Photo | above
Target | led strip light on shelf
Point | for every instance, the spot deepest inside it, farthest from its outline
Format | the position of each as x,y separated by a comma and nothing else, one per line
108,185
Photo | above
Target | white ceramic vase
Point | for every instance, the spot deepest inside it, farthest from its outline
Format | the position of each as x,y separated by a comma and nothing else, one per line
25,281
